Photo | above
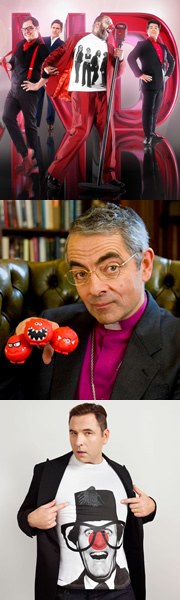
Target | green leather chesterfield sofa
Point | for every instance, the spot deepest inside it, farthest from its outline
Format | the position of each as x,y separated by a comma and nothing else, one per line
28,288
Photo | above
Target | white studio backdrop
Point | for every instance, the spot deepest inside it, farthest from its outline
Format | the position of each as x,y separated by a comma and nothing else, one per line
144,437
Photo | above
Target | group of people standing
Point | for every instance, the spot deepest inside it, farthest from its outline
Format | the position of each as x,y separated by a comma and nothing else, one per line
90,65
49,62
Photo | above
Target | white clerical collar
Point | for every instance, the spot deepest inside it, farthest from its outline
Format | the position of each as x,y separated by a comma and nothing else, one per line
54,40
91,584
115,326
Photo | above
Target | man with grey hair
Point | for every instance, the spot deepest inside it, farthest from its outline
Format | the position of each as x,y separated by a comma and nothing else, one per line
129,347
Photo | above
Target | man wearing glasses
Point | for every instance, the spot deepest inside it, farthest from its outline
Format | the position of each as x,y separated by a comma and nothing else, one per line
129,348
26,61
83,508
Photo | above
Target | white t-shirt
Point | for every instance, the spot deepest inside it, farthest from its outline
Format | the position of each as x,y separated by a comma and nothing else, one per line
90,56
91,541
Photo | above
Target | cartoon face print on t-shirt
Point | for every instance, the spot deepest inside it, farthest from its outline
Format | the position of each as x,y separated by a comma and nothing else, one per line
96,534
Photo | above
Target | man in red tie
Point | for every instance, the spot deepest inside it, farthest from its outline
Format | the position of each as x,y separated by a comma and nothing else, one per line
26,61
153,74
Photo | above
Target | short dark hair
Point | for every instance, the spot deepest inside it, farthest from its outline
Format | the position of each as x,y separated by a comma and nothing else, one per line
153,21
57,21
90,407
34,21
111,219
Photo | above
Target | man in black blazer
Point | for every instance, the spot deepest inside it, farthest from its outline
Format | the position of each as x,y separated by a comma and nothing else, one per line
52,41
43,515
129,347
153,75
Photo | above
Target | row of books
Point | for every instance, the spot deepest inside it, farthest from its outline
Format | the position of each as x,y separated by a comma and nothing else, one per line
35,249
49,214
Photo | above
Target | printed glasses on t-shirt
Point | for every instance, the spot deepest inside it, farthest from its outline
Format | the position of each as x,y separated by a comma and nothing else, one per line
82,535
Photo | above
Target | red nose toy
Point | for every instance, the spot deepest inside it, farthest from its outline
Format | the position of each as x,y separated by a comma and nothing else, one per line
39,332
64,340
17,349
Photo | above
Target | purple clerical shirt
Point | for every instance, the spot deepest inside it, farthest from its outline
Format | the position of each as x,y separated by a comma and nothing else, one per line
109,349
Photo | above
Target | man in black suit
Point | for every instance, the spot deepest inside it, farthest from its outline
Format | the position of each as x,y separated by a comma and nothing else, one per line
153,75
103,68
52,41
86,79
49,506
95,66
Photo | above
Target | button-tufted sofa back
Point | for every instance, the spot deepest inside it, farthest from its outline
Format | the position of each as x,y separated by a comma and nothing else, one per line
28,288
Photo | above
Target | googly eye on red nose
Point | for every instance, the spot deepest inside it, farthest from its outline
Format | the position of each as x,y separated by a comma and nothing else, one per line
99,542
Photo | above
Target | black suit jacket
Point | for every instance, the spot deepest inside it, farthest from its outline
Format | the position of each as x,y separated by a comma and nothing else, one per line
43,489
150,369
56,44
151,64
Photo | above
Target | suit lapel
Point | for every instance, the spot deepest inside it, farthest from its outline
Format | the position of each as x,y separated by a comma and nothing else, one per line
121,472
138,366
136,372
155,52
52,475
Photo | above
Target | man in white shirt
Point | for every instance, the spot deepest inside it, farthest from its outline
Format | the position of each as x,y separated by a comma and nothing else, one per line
89,103
85,489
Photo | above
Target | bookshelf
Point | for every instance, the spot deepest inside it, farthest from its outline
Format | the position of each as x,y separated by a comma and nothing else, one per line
36,230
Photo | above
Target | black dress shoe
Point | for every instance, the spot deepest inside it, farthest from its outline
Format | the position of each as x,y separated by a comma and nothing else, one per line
148,141
158,137
116,183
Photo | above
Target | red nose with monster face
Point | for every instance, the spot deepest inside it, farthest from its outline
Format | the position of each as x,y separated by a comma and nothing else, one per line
38,331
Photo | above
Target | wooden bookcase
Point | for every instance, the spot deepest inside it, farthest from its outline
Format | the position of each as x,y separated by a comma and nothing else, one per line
162,219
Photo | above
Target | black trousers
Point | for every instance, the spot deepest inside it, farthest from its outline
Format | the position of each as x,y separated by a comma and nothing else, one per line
86,67
14,103
50,116
77,68
150,107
